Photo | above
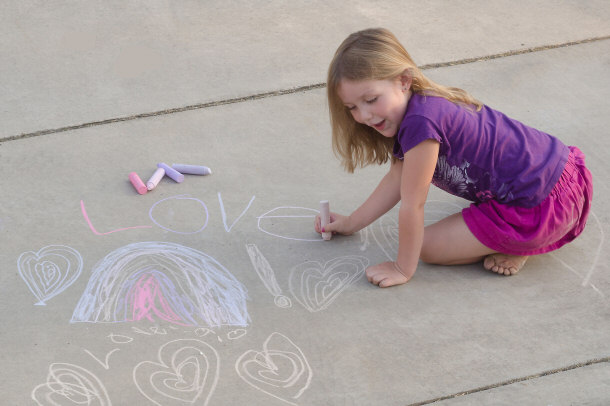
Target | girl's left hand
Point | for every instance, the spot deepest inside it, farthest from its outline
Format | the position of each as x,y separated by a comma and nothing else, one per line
386,274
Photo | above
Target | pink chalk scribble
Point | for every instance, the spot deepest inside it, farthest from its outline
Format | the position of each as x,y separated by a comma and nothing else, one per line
147,299
84,211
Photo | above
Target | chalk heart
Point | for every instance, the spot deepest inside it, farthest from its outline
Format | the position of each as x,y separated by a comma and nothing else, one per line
280,369
186,374
49,271
316,286
69,384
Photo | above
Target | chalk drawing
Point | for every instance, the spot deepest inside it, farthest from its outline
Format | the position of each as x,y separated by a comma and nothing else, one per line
49,271
364,238
385,231
267,276
190,222
162,280
386,235
586,278
151,331
119,339
105,364
236,334
316,286
69,384
224,215
186,374
84,211
280,369
202,331
276,220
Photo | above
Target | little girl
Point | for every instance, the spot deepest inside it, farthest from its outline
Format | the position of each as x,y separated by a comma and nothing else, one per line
531,193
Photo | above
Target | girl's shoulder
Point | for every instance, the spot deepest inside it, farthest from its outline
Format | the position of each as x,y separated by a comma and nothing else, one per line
429,105
434,109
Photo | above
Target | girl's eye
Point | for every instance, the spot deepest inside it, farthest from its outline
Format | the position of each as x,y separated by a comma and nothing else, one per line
371,101
350,108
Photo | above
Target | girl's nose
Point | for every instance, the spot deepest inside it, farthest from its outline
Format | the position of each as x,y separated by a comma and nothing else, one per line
365,115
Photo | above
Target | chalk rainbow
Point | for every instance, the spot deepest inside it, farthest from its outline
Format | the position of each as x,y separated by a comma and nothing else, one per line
162,281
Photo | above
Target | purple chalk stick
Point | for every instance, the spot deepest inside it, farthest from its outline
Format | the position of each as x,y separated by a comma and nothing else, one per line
192,169
171,172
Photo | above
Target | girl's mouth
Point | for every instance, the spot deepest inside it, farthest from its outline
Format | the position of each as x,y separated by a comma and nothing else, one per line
379,126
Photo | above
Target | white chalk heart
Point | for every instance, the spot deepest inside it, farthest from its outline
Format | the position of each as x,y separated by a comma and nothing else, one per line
316,286
280,369
69,384
187,372
49,271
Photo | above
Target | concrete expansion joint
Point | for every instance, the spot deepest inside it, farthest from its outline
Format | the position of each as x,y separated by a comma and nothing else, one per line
292,90
516,380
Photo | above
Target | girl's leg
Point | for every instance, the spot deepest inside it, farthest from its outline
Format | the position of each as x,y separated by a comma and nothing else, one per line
450,242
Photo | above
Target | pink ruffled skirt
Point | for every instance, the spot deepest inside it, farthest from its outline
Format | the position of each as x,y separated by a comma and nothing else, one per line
556,221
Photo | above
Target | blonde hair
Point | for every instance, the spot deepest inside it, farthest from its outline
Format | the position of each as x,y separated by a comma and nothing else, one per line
374,54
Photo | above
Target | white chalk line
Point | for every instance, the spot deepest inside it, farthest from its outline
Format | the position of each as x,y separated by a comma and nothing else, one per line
44,277
315,285
224,215
266,215
165,379
73,383
280,370
585,281
105,364
267,276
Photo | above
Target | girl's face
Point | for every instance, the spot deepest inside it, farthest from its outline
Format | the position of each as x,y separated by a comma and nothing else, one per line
380,104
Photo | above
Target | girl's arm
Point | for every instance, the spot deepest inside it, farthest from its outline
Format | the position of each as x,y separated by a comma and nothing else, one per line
383,198
417,171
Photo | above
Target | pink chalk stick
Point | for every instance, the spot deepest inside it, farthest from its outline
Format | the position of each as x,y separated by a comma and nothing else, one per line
325,218
137,183
171,172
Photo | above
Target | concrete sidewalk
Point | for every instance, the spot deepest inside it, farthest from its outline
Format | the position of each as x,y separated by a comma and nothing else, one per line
210,291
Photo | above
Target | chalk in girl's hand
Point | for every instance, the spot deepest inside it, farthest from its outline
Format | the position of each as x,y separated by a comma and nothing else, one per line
192,169
325,218
155,179
137,183
171,172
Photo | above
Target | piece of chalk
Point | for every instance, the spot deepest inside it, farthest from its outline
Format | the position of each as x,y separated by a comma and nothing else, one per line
137,183
171,172
325,218
155,179
192,169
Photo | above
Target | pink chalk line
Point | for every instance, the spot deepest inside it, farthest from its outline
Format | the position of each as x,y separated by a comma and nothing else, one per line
145,295
82,206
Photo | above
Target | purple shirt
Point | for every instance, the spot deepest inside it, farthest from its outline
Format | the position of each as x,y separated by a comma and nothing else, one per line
483,155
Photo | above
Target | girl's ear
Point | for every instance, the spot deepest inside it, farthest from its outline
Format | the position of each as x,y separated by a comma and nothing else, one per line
406,79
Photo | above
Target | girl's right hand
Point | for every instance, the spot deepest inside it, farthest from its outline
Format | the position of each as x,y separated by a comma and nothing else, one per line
339,224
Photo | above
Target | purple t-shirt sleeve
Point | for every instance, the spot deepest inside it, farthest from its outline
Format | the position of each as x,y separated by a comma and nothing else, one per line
483,154
420,129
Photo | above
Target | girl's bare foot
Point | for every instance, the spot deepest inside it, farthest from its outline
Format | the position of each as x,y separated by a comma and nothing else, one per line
504,264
